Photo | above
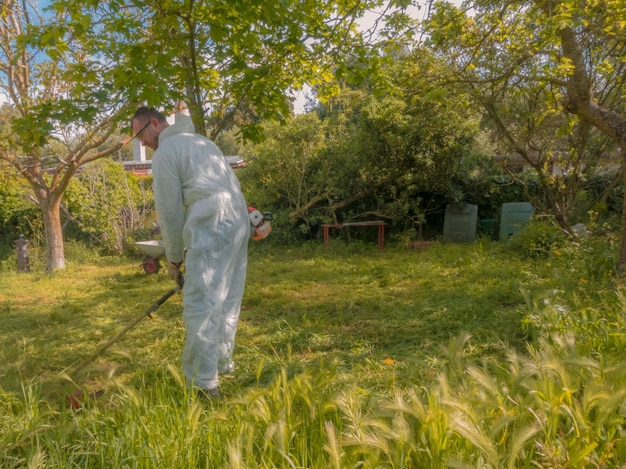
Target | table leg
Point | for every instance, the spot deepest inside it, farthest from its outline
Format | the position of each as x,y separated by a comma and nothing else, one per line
326,237
381,237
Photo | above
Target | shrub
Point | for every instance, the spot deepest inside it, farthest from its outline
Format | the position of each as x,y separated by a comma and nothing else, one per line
18,214
538,239
105,206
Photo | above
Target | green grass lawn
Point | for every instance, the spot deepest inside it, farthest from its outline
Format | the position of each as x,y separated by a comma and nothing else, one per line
451,356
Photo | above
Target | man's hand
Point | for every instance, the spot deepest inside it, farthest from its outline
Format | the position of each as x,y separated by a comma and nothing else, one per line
173,270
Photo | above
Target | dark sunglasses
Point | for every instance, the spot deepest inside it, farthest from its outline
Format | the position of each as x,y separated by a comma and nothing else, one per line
141,130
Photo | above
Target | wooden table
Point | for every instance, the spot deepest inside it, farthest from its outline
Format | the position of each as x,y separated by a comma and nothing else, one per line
378,223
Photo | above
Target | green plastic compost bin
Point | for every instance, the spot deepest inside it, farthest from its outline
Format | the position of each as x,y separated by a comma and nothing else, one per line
514,217
459,223
489,227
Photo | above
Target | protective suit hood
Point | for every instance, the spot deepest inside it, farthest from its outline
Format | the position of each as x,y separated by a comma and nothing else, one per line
182,125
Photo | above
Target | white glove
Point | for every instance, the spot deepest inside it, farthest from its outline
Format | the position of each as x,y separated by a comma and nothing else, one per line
173,270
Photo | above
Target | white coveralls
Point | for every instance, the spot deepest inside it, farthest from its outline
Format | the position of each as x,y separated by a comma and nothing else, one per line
201,207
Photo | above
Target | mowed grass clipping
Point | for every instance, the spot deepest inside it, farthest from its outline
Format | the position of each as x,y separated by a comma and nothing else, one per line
436,357
364,309
371,309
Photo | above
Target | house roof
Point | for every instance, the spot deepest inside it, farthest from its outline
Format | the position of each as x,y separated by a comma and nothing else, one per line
145,167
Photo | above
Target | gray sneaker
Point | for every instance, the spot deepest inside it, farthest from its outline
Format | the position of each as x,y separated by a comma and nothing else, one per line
209,394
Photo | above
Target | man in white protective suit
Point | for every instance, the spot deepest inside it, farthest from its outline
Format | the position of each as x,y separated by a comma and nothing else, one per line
200,208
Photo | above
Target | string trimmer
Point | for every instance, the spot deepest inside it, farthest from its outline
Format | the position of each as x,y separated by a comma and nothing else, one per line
74,399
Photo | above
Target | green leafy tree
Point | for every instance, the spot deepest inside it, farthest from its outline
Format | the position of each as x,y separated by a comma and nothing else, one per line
232,62
229,142
59,114
280,169
546,73
368,157
523,113
71,74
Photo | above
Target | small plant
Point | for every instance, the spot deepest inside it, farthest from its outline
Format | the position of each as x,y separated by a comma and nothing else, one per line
537,239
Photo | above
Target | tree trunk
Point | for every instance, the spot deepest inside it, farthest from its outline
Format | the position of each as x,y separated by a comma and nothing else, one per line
580,101
55,254
621,262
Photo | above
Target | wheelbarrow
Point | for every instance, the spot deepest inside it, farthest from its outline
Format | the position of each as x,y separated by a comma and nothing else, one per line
154,250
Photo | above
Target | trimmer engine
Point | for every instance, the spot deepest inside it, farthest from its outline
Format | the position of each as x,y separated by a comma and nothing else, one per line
260,222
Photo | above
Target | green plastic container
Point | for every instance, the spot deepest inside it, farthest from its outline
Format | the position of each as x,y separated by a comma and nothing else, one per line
459,224
514,217
488,227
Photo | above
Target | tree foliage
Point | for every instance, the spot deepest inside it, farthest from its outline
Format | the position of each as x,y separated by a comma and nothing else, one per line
74,71
368,157
59,115
108,205
18,214
232,62
549,76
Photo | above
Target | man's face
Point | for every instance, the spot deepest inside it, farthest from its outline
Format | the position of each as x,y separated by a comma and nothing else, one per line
147,133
